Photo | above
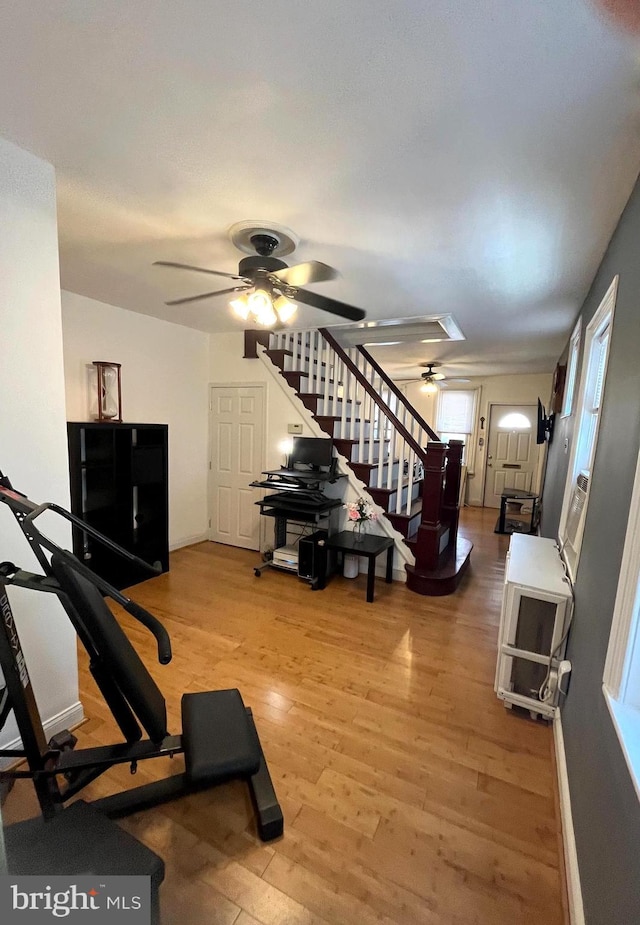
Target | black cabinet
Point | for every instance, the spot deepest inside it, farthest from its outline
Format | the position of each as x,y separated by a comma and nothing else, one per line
119,486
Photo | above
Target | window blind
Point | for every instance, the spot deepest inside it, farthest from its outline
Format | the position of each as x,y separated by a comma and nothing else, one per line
455,412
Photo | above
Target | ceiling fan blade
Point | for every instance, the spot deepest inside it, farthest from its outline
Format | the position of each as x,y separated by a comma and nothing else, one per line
186,266
207,295
302,274
329,305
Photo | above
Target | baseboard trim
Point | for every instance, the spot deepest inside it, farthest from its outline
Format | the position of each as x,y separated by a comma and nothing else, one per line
189,541
66,719
576,909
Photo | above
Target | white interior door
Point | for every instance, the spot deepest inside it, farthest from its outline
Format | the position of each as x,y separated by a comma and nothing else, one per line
512,453
236,427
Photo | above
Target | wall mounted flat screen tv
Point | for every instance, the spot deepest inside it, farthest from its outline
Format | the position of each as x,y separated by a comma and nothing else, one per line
311,453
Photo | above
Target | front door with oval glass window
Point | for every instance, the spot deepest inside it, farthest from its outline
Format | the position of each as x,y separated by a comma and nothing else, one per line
512,452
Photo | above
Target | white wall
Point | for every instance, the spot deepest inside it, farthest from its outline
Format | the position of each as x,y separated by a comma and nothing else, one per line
164,381
33,443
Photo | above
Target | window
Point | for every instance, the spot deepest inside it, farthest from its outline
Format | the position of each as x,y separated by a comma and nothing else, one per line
456,413
592,380
572,369
621,682
514,421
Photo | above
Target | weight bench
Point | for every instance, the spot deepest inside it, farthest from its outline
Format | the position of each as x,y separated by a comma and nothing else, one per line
219,739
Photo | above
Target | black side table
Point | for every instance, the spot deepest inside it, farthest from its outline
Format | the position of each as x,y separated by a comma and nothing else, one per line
515,494
370,546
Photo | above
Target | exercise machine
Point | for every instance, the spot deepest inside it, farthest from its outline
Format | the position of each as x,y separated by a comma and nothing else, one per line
219,739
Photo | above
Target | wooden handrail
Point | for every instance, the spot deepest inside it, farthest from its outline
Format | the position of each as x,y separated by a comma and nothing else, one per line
397,392
369,389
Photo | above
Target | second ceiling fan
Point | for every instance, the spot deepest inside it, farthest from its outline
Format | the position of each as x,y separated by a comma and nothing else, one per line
267,289
430,378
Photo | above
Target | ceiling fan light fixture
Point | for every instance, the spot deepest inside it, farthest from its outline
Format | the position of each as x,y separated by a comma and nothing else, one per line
267,317
429,388
261,307
285,309
240,307
259,301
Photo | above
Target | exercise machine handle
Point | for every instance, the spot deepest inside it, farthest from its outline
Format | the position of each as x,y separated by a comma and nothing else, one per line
155,627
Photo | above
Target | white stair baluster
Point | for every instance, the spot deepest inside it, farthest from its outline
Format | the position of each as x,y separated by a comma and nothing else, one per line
400,478
357,394
412,459
317,364
345,379
328,361
391,456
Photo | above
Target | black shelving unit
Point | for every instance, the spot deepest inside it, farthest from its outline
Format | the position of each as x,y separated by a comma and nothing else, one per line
119,485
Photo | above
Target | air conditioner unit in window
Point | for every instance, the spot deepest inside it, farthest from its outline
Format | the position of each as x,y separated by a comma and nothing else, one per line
574,519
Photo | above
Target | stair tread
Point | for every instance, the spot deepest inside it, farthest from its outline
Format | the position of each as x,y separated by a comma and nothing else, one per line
321,395
394,488
416,508
355,440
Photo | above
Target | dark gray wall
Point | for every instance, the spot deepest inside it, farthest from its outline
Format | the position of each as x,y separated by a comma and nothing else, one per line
606,810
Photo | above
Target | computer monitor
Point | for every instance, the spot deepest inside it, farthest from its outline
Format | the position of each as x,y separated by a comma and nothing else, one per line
311,453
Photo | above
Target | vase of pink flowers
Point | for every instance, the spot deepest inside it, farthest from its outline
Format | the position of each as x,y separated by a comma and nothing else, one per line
359,512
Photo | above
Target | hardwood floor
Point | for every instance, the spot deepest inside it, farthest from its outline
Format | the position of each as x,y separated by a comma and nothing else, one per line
410,794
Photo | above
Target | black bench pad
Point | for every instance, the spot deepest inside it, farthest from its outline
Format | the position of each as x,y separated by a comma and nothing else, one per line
78,840
219,739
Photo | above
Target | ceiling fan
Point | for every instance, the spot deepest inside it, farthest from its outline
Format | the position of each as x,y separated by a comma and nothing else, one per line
267,288
430,378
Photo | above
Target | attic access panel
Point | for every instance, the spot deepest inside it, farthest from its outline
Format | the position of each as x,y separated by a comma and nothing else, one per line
421,329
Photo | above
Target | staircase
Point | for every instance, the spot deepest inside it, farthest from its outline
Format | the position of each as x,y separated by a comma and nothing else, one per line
391,450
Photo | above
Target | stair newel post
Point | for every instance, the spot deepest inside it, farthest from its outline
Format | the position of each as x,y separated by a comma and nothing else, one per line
450,506
430,529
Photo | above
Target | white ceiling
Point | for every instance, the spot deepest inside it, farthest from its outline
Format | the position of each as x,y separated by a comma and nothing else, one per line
470,158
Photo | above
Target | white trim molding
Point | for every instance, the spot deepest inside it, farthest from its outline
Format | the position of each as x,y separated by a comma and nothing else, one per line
621,678
583,449
189,541
623,626
572,870
67,719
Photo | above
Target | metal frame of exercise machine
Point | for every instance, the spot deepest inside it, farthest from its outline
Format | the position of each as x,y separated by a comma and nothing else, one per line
221,742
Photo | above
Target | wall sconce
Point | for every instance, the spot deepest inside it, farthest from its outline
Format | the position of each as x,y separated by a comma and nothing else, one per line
108,395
